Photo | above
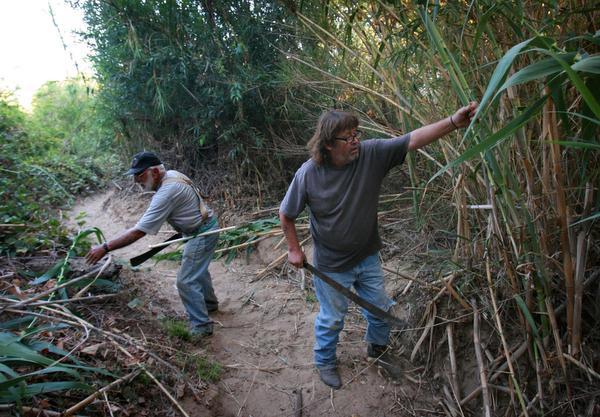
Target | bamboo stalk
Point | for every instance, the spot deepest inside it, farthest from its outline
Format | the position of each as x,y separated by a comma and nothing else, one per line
540,386
578,292
530,405
454,294
78,321
558,344
587,369
33,410
410,278
87,287
501,332
263,272
582,248
85,402
453,367
479,357
449,402
156,381
462,224
551,128
447,281
431,310
74,300
243,245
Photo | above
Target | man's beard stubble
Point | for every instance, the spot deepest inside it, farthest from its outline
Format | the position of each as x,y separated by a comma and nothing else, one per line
148,185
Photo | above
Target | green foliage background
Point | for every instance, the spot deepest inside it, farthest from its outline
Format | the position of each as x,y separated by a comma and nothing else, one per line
48,157
195,81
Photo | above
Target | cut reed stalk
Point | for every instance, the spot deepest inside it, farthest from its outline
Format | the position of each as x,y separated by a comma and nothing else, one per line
500,329
558,344
485,394
580,263
551,130
453,367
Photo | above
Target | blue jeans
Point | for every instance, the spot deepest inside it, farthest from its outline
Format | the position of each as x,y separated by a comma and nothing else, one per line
193,279
367,279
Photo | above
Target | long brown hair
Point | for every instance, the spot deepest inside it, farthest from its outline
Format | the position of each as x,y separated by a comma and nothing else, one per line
330,124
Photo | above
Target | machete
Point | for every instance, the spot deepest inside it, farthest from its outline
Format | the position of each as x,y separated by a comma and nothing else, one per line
138,260
393,321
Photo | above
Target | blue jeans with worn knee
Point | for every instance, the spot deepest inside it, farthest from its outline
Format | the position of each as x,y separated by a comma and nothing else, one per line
193,279
367,280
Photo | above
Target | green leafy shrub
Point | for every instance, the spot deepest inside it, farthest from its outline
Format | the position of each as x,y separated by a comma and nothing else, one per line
32,363
45,162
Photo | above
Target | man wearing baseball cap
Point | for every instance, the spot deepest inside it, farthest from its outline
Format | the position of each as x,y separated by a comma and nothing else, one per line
177,201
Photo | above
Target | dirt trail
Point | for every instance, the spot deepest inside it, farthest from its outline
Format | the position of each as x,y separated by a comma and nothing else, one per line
263,336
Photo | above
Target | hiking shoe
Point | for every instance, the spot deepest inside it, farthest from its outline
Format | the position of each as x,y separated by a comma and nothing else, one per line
202,332
211,308
330,377
385,360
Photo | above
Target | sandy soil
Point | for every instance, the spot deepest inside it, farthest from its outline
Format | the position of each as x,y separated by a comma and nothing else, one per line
264,334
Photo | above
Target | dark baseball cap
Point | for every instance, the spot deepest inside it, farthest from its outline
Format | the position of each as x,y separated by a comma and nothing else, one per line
142,161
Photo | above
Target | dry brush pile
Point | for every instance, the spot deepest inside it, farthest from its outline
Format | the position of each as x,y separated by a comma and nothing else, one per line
74,341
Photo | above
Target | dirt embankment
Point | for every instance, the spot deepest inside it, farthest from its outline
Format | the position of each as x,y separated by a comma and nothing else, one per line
264,335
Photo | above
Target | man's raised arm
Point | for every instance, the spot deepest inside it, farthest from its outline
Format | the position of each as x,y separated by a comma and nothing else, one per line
425,135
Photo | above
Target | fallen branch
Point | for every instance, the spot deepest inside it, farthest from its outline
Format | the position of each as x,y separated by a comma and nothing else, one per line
587,369
242,245
453,368
432,310
74,300
411,278
263,272
156,381
558,343
497,373
104,266
51,290
33,410
82,404
501,332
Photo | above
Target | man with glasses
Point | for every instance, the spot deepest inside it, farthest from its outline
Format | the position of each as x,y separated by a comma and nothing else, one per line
177,201
340,184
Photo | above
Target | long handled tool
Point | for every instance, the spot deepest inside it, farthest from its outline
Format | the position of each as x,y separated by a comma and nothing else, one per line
176,238
185,239
138,260
393,321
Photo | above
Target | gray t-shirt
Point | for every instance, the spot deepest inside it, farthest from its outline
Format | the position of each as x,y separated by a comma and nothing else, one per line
343,202
176,203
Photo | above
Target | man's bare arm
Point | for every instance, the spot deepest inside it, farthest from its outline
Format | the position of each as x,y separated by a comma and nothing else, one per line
295,254
425,135
124,239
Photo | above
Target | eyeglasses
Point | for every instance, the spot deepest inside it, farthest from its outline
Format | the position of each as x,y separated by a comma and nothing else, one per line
354,136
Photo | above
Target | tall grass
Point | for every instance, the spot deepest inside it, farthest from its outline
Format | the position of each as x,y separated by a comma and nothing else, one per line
530,155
